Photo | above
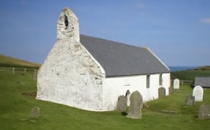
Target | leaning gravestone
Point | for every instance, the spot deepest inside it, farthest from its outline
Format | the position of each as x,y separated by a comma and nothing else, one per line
35,112
176,84
204,112
190,100
122,103
198,93
161,92
136,104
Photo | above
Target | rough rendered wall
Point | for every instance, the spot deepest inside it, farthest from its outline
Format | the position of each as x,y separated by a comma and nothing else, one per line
114,87
70,75
166,82
69,28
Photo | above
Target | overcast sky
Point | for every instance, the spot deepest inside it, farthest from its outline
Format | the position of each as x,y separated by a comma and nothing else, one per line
177,31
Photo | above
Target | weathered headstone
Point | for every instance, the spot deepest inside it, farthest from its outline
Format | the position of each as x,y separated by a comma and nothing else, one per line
171,90
176,84
190,100
161,92
204,112
35,112
136,104
122,103
198,93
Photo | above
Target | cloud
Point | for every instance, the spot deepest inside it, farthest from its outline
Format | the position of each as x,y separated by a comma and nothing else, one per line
205,20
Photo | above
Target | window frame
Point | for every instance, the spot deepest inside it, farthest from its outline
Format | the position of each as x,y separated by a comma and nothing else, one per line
161,79
147,81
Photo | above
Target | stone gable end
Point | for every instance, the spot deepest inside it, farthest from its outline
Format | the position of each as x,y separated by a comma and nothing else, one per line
70,75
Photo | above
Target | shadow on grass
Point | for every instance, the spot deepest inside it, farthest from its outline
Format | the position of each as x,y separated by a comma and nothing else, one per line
192,85
124,113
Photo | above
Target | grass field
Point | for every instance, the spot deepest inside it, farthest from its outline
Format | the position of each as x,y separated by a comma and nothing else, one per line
17,99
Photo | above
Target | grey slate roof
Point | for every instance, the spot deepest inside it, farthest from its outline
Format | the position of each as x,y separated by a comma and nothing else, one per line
119,59
202,81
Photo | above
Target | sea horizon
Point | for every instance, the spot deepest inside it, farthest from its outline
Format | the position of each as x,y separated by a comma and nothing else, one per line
181,68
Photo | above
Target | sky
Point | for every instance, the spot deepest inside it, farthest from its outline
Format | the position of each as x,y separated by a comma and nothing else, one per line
177,31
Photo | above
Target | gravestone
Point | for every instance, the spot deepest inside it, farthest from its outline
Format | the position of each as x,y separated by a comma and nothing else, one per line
171,90
198,93
161,92
122,103
176,84
136,104
190,100
35,112
204,112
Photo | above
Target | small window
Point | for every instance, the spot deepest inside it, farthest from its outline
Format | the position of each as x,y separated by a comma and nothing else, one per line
160,79
66,21
148,81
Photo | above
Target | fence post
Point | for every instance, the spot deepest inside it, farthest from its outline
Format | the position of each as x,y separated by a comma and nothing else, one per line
13,70
35,74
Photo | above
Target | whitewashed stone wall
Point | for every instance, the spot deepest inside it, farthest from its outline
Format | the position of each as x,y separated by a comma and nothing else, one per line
166,82
115,86
69,74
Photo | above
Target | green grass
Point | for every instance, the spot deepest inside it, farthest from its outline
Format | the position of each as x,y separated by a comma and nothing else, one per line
15,108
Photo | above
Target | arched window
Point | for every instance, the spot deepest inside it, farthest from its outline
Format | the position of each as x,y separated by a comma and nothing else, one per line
127,93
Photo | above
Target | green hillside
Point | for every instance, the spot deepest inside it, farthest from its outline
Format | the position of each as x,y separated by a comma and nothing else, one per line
203,68
6,61
191,74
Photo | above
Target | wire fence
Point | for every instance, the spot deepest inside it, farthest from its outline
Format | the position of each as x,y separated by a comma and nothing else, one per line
19,71
184,82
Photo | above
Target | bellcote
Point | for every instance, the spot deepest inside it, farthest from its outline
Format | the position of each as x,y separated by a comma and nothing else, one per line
68,25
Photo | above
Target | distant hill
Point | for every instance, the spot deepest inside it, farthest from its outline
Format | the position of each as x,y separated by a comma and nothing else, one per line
202,71
203,68
6,61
